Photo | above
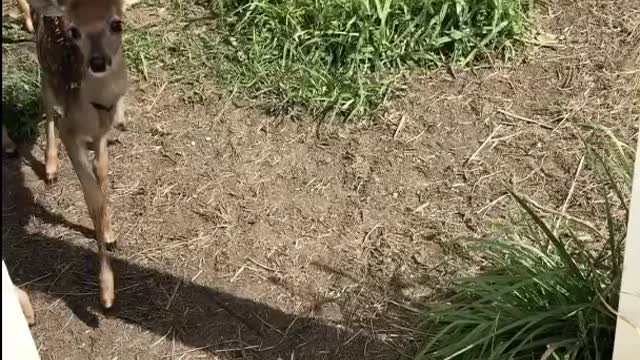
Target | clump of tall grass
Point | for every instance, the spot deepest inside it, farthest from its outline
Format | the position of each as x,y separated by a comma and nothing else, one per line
345,56
546,294
20,87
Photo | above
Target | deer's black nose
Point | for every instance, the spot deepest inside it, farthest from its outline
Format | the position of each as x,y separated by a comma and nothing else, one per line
98,64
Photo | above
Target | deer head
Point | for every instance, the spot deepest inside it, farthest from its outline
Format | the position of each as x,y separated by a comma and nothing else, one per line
94,26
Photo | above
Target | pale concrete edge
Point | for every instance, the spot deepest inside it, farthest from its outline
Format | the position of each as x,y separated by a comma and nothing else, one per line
627,340
17,340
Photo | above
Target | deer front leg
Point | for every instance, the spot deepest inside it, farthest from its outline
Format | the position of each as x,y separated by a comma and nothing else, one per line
120,121
98,210
8,146
101,171
101,163
51,160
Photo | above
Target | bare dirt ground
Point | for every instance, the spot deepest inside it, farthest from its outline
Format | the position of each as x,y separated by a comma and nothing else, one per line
243,236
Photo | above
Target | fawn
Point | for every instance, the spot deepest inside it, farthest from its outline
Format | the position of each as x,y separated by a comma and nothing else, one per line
8,146
79,48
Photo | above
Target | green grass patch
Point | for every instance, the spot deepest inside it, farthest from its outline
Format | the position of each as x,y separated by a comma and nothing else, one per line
546,294
346,56
334,57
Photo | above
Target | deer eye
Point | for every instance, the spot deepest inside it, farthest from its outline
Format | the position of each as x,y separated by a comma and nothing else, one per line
116,26
75,33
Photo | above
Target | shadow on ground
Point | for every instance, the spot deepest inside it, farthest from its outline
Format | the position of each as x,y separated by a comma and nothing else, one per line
200,317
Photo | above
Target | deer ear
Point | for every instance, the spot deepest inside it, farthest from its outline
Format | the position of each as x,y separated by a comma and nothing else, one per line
47,7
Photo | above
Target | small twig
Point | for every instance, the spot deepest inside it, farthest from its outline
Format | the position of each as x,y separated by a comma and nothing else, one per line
263,266
482,178
400,126
162,338
216,351
564,118
242,350
551,349
286,331
34,280
416,137
525,119
366,237
491,204
565,215
484,42
157,97
352,337
269,325
196,275
507,137
173,295
173,345
570,194
59,275
235,276
197,19
616,313
484,143
405,306
224,108
421,207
